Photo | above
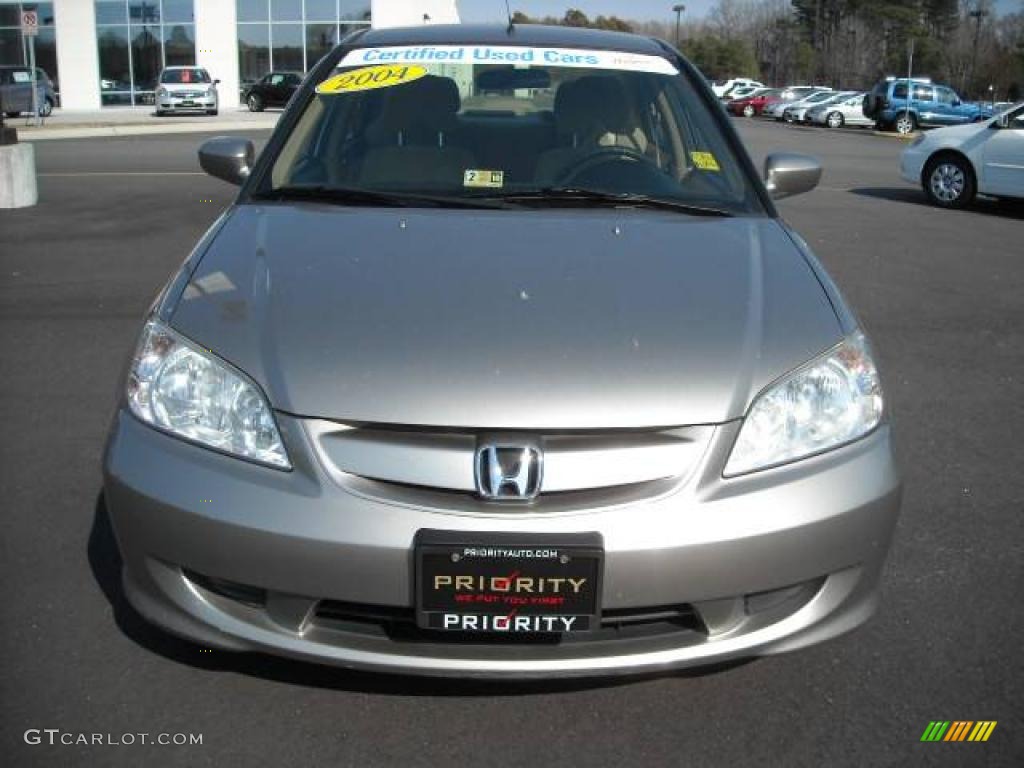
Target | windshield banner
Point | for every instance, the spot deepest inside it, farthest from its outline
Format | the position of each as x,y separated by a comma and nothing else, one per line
508,54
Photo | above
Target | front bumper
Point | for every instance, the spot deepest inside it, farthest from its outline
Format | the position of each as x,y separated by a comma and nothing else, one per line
197,104
240,557
912,164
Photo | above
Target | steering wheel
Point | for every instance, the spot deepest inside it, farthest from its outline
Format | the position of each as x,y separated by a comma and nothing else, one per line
603,156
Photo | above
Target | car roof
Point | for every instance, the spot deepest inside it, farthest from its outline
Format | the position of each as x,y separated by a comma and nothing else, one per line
534,35
187,66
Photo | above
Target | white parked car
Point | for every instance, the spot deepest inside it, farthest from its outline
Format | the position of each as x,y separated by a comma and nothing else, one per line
724,88
848,111
186,89
953,164
797,94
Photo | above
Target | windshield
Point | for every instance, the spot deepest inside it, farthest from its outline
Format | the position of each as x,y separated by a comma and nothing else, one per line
178,76
438,120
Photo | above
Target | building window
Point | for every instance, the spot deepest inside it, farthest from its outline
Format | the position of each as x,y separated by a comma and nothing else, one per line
136,40
14,48
291,35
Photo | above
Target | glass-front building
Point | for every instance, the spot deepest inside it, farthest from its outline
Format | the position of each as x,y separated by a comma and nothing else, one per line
138,38
109,53
14,47
292,35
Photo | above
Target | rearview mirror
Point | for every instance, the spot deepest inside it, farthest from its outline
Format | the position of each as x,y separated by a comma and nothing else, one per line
787,174
228,158
509,79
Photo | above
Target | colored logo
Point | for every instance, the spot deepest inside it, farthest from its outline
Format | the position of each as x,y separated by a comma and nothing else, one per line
958,730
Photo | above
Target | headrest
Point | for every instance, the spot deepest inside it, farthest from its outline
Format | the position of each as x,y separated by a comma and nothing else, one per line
428,103
592,106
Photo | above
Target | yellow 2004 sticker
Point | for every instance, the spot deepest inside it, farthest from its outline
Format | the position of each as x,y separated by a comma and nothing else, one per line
705,161
368,78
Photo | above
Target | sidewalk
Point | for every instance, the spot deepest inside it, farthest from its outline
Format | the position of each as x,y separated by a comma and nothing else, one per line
135,121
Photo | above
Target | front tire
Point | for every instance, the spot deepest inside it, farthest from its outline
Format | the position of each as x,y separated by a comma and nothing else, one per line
748,111
948,181
906,124
212,112
46,108
834,120
254,102
12,114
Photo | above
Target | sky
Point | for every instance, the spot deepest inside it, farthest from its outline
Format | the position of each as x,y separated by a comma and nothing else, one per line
640,10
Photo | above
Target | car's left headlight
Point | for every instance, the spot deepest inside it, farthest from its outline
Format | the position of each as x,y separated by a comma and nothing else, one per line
181,388
832,400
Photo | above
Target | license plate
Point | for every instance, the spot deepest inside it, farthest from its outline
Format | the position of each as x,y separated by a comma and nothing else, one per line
508,583
187,103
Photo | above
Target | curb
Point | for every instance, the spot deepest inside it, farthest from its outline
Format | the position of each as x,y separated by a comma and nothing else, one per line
894,135
88,132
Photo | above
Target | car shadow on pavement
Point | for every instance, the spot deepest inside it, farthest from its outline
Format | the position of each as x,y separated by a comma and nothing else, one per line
1010,209
105,563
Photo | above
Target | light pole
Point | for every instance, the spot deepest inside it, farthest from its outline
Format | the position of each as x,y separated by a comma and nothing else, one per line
977,14
679,12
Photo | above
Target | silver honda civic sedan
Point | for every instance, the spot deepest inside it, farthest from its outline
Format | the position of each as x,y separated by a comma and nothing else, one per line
502,364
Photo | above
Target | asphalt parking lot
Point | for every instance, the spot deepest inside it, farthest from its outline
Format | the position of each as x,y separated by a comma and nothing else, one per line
940,292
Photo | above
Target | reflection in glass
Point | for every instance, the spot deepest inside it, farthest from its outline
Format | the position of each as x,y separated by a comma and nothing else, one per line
144,12
320,39
178,10
111,12
115,72
354,10
10,47
287,47
286,10
252,10
179,45
253,53
146,64
321,10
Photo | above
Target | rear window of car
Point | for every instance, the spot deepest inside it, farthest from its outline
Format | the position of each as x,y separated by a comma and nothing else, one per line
469,121
183,76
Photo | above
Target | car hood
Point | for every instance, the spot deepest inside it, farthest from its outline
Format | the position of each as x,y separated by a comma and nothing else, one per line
555,319
956,133
174,87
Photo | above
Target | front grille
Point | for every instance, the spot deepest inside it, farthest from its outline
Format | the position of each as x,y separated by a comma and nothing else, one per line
399,625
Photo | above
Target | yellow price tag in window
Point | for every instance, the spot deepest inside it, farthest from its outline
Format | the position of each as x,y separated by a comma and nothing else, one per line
368,78
705,161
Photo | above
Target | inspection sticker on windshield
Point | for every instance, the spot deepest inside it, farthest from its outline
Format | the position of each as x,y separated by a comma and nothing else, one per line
368,78
705,161
478,178
510,54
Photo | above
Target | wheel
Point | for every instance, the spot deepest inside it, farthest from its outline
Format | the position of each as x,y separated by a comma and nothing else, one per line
834,120
159,113
748,111
906,124
212,112
948,181
46,108
12,114
255,103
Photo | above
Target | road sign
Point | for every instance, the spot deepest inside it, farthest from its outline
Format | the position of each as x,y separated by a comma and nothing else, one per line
29,23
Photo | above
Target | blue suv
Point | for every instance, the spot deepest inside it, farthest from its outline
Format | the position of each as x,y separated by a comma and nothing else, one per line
931,105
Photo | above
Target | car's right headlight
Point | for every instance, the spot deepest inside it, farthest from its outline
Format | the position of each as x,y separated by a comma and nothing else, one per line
832,400
161,92
181,388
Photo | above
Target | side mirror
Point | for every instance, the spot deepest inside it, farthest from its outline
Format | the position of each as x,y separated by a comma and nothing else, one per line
1002,121
787,174
228,158
216,82
956,102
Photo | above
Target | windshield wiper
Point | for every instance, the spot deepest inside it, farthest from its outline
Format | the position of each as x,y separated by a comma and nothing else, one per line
371,197
595,197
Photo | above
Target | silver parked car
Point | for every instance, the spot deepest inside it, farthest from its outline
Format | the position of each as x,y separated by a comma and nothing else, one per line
186,89
541,386
847,110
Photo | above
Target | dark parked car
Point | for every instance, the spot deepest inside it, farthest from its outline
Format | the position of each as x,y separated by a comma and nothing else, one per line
16,91
274,90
